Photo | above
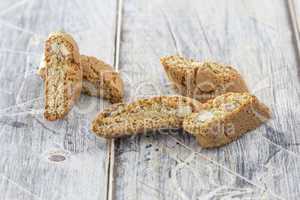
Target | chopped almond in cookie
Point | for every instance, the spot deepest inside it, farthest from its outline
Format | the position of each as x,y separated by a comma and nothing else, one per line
204,116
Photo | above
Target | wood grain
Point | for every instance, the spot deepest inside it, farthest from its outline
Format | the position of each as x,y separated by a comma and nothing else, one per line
255,36
40,159
294,13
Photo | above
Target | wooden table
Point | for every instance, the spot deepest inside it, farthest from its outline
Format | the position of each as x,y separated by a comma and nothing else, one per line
64,160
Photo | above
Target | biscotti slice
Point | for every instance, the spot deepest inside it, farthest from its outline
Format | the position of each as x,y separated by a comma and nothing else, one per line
226,118
144,115
99,79
63,75
202,81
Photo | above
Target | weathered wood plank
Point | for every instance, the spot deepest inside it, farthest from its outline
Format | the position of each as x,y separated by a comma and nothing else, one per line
6,6
294,13
40,159
256,37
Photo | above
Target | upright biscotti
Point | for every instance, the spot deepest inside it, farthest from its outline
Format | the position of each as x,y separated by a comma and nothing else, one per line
202,81
63,75
226,118
144,115
99,79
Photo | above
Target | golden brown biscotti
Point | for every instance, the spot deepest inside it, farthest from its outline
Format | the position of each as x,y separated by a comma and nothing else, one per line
202,81
99,79
226,118
63,75
144,115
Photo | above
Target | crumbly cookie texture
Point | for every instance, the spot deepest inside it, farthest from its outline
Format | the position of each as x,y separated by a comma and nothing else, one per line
226,118
144,115
99,79
202,81
63,75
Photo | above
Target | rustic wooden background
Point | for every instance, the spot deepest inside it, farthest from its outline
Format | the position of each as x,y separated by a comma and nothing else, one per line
63,160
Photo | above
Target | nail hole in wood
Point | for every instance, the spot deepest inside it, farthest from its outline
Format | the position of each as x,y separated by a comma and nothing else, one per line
57,158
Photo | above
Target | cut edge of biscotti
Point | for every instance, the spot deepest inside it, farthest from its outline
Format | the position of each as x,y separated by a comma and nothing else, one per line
225,118
161,112
63,75
202,80
99,79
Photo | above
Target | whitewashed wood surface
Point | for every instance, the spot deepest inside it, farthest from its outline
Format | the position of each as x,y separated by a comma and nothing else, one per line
259,37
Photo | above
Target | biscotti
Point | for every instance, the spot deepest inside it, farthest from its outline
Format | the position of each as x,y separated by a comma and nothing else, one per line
144,115
99,79
202,81
226,118
63,75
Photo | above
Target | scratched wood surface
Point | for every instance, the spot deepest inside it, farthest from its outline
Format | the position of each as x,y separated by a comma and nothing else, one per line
63,160
255,36
39,159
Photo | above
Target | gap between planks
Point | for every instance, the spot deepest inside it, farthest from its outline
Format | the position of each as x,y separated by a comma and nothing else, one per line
295,26
111,142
